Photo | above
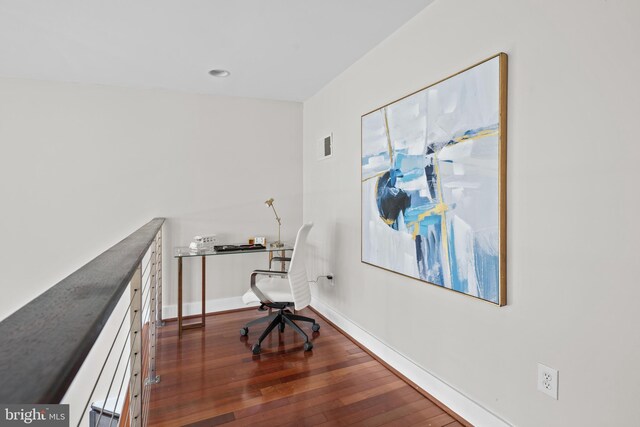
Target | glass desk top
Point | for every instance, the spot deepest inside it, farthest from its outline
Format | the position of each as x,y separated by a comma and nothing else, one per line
183,252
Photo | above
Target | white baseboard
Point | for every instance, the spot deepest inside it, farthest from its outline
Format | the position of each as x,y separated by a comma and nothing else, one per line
211,306
452,398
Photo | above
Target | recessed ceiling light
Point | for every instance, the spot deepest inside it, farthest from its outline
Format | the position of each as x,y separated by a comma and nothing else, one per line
220,73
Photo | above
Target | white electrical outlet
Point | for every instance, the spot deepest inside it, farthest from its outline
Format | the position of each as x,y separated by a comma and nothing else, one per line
548,380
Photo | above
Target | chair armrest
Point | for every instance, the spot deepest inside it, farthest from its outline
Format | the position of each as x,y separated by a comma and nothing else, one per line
268,273
254,286
279,258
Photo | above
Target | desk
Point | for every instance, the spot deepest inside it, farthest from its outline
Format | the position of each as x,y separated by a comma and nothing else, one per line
185,252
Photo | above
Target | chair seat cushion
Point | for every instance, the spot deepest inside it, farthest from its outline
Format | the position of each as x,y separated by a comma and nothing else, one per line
276,289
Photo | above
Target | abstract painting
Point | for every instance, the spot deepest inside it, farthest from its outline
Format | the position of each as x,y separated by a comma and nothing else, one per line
433,183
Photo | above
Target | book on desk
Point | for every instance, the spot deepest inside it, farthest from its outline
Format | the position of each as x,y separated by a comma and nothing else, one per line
230,248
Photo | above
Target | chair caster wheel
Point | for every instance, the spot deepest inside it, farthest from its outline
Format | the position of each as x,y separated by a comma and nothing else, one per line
315,327
308,346
244,332
255,349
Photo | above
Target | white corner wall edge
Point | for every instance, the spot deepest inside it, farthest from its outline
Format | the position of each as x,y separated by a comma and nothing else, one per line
452,398
211,306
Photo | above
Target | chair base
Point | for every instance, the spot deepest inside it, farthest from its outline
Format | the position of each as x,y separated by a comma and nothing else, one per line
280,319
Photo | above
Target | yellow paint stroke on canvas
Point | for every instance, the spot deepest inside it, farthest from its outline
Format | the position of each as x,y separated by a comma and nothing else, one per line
378,175
481,134
386,128
443,223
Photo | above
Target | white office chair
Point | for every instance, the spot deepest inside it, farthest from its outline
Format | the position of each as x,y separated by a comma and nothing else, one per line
281,290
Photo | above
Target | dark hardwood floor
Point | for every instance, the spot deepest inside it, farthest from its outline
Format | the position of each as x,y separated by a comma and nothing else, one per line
210,377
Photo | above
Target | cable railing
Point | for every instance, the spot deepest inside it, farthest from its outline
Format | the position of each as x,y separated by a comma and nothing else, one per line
90,340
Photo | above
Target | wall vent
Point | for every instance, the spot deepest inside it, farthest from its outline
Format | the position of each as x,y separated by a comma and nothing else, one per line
325,147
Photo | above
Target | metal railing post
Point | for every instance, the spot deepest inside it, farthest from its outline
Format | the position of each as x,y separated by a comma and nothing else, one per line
135,342
159,320
153,378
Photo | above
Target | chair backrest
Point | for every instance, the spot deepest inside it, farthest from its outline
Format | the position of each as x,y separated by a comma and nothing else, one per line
298,271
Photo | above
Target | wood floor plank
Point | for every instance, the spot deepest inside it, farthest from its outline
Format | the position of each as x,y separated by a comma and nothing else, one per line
315,401
394,414
437,421
210,377
417,417
359,412
215,421
373,391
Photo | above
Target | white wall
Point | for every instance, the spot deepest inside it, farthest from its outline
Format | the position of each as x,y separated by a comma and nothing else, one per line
83,166
573,236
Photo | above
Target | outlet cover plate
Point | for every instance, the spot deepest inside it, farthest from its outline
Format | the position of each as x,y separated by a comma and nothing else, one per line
548,380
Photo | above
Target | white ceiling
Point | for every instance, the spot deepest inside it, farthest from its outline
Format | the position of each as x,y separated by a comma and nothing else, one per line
276,49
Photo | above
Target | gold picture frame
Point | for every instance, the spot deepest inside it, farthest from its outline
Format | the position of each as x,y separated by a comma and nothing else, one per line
385,210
